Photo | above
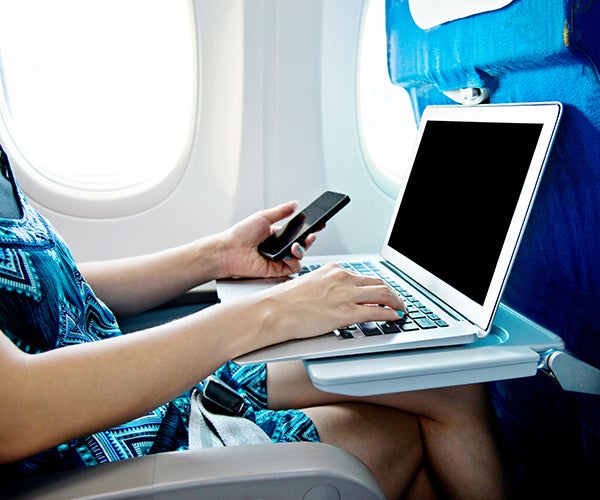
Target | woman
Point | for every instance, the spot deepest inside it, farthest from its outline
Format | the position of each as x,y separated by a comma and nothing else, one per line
77,392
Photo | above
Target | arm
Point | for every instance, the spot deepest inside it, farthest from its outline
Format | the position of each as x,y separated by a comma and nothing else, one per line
132,285
124,377
135,284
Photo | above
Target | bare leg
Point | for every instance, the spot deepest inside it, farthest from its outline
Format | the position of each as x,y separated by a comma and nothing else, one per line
457,428
388,441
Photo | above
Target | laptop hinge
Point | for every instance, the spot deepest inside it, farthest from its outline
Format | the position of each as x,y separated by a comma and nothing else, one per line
438,302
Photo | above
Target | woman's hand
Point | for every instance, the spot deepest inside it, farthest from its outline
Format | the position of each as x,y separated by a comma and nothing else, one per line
240,257
329,298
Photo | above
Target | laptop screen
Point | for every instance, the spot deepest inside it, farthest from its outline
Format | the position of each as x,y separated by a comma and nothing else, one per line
461,213
461,192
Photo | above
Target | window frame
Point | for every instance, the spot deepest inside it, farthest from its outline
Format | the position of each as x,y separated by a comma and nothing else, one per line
70,199
386,180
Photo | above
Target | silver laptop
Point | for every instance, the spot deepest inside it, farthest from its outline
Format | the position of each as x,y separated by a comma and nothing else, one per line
452,236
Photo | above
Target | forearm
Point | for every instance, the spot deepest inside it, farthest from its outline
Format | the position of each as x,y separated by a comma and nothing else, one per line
78,390
133,285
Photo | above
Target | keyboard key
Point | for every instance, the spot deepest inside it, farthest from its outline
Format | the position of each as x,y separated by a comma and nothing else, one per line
369,328
409,326
425,323
389,327
308,269
346,333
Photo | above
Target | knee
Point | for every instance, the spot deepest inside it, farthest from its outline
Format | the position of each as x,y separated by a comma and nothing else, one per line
388,441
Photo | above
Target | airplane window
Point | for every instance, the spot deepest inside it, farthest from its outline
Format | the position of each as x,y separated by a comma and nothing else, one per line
98,95
387,123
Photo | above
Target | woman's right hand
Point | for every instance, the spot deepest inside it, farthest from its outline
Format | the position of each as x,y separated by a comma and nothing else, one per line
329,298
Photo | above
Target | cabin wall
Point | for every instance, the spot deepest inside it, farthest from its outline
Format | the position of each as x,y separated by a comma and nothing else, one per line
276,121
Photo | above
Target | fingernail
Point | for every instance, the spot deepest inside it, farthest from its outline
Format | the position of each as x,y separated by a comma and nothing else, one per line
287,257
400,313
300,249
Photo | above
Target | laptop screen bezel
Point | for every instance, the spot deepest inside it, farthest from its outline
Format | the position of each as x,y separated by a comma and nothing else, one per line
548,114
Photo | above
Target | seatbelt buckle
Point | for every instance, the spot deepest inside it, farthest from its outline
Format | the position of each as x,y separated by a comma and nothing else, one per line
218,397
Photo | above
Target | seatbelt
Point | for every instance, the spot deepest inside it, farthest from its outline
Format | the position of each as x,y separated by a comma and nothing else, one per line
212,430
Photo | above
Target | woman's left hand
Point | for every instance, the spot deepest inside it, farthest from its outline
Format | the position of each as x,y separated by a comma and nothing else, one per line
240,255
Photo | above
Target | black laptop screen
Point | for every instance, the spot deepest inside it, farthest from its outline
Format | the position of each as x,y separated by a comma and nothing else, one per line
460,198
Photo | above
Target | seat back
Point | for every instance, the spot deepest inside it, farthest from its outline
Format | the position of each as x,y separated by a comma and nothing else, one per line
532,51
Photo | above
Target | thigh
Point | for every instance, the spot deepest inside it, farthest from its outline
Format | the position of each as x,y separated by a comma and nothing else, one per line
289,386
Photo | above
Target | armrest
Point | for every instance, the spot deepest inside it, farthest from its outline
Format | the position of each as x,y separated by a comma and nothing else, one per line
293,470
188,303
203,294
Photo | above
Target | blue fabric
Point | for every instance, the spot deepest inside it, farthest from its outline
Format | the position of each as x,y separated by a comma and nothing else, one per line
45,303
251,382
532,51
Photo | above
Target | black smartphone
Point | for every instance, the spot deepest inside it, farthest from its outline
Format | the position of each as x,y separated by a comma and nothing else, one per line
311,219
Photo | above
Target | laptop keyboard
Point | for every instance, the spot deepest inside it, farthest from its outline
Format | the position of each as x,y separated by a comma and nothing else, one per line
419,317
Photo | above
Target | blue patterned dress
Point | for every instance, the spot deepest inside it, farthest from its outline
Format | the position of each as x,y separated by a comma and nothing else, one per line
45,303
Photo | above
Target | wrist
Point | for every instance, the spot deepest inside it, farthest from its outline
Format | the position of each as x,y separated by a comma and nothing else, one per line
208,256
272,325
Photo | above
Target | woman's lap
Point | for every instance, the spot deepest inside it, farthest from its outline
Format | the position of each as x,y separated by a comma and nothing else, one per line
285,425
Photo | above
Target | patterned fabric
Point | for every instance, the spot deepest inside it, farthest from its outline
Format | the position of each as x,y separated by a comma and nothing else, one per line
282,426
45,303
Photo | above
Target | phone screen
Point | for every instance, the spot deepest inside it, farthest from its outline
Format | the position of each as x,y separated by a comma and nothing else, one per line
309,220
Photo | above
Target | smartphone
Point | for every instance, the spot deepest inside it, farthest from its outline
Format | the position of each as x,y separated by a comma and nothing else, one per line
311,219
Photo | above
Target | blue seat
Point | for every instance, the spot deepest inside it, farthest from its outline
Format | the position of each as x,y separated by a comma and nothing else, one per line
532,51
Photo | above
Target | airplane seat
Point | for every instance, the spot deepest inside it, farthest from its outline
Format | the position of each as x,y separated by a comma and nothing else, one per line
530,51
267,471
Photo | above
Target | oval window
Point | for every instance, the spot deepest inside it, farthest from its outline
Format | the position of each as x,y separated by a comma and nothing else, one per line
99,97
386,119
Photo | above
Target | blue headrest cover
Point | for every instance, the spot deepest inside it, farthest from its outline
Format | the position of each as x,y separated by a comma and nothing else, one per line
530,51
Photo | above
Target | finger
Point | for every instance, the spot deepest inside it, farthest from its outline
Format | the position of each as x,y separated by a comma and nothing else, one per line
372,313
297,250
275,228
292,265
364,280
309,240
366,289
279,212
381,295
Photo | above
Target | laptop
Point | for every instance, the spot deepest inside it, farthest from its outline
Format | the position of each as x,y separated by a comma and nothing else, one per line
452,236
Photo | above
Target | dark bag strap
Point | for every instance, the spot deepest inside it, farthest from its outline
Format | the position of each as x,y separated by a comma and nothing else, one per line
10,207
